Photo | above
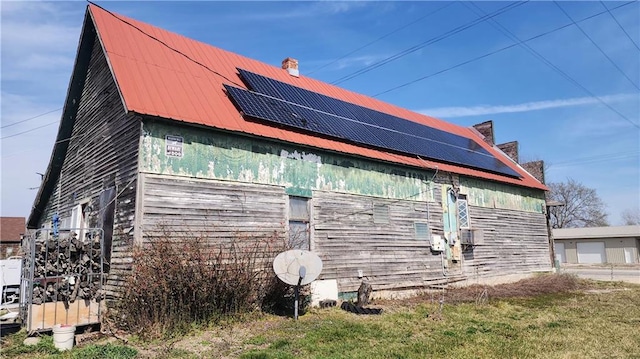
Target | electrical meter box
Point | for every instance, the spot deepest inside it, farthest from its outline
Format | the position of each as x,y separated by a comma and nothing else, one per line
437,243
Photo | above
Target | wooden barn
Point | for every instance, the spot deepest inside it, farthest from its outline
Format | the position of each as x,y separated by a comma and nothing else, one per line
160,129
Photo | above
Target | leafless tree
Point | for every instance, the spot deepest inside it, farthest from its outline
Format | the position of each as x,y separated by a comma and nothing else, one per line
631,216
582,207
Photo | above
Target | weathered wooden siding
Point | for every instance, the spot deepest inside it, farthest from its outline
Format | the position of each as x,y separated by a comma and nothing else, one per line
348,239
102,153
213,209
515,242
198,191
391,257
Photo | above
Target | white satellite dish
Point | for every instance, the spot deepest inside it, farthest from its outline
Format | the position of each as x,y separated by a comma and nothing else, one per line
297,267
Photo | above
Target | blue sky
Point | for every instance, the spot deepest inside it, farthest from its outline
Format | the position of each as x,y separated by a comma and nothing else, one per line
551,116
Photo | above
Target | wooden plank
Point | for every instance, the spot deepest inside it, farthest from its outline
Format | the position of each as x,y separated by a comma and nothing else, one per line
217,210
81,312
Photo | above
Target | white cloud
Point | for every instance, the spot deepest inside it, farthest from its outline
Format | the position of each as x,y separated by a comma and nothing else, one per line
353,61
39,41
305,10
364,60
450,112
338,7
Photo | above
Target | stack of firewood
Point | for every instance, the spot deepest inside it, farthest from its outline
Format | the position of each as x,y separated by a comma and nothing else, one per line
67,267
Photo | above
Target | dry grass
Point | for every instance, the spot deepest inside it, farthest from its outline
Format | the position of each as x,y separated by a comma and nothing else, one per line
549,316
530,287
552,316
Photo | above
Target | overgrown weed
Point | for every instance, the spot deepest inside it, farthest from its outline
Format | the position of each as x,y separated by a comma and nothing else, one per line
182,282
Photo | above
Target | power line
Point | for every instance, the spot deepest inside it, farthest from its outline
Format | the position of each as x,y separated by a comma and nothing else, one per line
620,25
601,157
31,118
595,159
598,47
31,130
167,45
546,61
143,32
381,37
494,52
427,43
55,143
533,52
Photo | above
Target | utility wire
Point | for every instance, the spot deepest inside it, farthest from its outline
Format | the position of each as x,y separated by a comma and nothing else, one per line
31,130
167,45
620,25
31,118
546,61
595,159
55,143
494,52
598,158
146,34
428,42
533,52
598,47
381,37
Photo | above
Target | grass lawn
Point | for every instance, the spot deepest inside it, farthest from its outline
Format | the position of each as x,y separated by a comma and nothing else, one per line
599,320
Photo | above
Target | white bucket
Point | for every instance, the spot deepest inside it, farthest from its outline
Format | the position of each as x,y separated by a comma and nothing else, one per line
63,336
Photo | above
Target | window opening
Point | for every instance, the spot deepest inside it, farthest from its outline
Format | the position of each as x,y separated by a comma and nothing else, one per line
463,211
422,231
299,219
107,211
381,213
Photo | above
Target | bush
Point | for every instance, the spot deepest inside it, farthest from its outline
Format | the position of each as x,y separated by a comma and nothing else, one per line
177,282
279,298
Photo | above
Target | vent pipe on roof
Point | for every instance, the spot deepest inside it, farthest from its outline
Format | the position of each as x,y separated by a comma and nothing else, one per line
291,65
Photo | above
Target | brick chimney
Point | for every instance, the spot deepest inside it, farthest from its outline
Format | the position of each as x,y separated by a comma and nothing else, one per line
486,130
510,149
536,169
291,65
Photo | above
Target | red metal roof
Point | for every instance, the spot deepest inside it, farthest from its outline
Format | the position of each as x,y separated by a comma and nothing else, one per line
164,74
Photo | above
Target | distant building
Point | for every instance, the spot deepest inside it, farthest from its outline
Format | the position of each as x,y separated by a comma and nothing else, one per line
598,244
11,230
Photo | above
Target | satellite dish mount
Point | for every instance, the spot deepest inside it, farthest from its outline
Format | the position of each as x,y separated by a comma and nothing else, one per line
297,267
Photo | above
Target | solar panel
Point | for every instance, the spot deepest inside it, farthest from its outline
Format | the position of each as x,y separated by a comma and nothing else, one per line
281,90
304,117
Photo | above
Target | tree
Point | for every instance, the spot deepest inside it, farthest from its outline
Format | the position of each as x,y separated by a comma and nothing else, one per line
581,206
631,216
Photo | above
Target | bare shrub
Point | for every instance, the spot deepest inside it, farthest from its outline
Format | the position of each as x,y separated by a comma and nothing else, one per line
178,281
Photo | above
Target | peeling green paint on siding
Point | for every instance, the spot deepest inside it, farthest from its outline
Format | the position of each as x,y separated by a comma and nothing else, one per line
496,195
216,155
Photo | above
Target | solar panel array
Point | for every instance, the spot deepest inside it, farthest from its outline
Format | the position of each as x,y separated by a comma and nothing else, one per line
277,102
